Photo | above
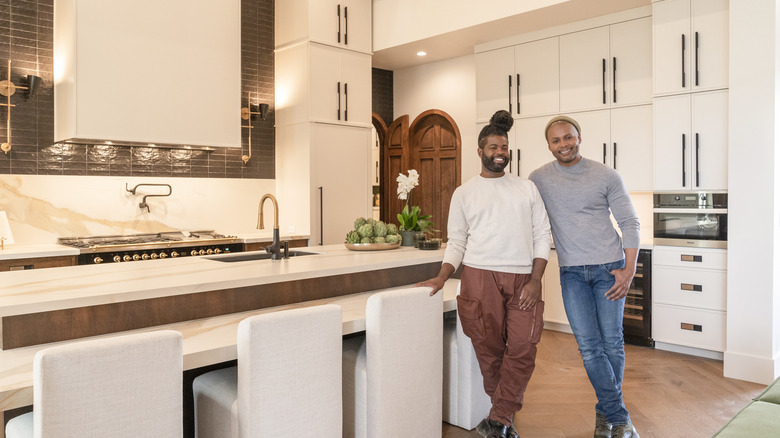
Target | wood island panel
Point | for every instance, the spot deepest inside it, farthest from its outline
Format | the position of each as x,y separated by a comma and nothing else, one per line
37,263
59,325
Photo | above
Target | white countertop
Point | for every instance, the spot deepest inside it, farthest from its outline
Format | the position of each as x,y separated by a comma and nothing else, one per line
86,285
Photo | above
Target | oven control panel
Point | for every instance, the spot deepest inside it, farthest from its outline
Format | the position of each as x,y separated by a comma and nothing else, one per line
156,254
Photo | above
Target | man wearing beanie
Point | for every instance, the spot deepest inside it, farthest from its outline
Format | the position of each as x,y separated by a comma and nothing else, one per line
499,305
596,266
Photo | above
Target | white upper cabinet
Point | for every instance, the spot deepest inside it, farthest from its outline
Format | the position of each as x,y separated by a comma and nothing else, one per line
340,23
530,147
690,45
315,82
606,66
690,139
521,79
621,138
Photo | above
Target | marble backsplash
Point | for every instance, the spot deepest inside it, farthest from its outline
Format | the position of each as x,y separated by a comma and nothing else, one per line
41,208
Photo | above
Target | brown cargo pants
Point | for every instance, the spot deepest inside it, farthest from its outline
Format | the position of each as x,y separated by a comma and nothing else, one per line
504,336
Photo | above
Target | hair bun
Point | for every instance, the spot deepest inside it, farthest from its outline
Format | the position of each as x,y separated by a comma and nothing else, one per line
503,120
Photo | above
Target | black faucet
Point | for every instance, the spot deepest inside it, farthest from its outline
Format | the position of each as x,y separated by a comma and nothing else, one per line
274,248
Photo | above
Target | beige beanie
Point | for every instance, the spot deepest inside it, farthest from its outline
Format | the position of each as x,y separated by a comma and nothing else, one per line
562,119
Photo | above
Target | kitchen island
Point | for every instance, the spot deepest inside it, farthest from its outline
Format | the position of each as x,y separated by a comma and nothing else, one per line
208,340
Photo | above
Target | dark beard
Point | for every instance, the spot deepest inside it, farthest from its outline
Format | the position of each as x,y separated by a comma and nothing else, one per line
492,166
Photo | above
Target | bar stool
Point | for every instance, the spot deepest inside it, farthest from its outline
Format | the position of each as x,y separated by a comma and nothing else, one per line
124,386
465,400
287,382
393,375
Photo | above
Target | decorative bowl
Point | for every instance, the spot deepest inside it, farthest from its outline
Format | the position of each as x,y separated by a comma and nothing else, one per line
372,246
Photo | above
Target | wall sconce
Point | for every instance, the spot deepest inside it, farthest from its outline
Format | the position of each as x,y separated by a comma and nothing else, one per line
7,88
246,114
5,231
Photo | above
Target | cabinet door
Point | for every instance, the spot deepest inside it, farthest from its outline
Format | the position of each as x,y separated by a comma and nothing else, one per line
595,135
536,78
495,71
341,23
710,44
356,93
709,140
325,84
631,49
341,171
671,46
553,300
632,146
529,146
672,142
585,75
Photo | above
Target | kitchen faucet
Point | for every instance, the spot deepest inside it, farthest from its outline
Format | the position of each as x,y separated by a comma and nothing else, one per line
274,249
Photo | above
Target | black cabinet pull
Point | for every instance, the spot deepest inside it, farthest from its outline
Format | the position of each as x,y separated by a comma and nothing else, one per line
338,90
346,26
346,102
683,160
338,14
697,159
614,156
517,91
696,55
604,155
509,94
604,81
682,64
321,219
614,79
518,161
510,161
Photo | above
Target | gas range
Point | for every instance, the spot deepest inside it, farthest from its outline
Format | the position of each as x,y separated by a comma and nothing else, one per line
150,246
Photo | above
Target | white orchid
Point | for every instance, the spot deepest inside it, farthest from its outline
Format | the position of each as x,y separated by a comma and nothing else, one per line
407,183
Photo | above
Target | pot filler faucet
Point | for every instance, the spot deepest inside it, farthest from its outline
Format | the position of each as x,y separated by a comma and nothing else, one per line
274,247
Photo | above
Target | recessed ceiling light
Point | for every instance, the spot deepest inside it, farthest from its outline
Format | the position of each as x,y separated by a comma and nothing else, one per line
421,53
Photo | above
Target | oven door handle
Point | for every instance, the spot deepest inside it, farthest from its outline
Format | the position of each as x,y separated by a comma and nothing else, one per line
691,210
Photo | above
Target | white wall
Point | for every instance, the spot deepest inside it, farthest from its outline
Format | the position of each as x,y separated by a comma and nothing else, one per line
449,86
753,303
42,208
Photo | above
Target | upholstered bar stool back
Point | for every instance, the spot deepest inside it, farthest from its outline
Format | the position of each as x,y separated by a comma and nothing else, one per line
393,376
124,386
287,382
465,400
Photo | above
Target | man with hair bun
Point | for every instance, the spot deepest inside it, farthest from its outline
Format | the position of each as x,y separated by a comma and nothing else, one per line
498,230
596,266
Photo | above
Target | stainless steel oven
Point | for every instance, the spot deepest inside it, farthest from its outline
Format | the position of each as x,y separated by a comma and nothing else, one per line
697,219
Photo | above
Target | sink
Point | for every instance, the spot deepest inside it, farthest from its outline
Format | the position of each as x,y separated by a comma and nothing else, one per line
254,255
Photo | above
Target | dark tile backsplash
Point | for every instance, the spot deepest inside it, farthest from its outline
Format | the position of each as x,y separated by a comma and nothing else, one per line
382,94
26,37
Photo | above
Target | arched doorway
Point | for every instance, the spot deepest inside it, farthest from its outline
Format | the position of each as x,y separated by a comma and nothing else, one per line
431,145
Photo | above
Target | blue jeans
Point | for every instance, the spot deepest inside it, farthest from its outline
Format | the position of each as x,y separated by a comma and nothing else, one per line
597,324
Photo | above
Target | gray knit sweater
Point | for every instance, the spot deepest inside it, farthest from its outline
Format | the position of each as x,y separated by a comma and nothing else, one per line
579,199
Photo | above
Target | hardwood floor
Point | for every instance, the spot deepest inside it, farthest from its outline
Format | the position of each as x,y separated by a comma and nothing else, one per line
668,394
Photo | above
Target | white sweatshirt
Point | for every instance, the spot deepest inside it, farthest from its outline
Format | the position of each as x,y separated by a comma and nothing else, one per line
497,224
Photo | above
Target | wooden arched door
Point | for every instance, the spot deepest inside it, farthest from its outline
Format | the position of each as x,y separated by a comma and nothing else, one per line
434,150
395,160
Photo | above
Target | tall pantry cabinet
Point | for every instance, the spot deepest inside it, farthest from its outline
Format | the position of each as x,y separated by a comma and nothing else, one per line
323,116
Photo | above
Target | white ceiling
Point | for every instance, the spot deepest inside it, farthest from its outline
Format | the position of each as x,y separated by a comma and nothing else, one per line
461,42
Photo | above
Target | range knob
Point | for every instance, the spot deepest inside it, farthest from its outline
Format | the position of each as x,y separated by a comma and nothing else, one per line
136,257
163,255
117,259
194,252
210,251
202,252
154,256
145,256
126,258
217,251
174,254
97,260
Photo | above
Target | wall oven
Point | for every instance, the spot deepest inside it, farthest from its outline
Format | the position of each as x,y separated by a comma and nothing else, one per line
695,219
